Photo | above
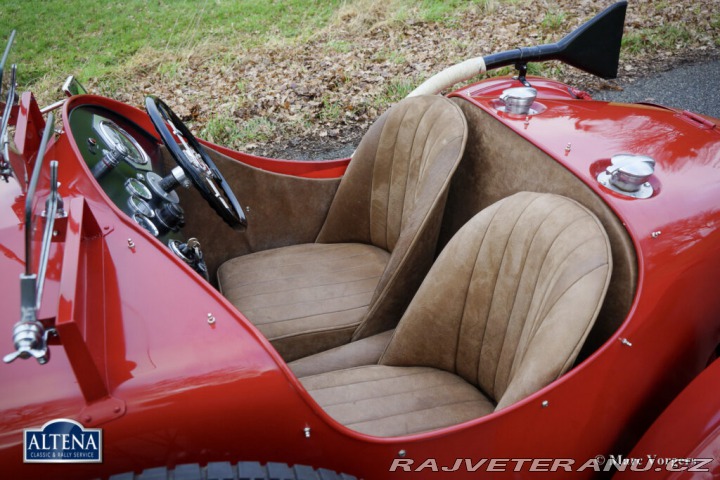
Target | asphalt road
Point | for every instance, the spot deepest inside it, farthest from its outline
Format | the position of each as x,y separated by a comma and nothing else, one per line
692,87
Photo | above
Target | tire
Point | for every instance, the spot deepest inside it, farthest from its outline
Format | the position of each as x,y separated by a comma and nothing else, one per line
239,471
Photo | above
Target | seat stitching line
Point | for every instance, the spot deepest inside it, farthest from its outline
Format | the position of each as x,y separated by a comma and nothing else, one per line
385,417
281,277
392,162
542,265
353,280
459,381
519,277
467,293
494,294
356,294
568,288
401,375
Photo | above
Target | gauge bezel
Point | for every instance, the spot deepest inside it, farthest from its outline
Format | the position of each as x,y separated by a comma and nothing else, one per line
141,206
146,223
110,131
137,188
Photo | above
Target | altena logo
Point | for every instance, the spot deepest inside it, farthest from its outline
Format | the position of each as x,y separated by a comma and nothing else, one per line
62,441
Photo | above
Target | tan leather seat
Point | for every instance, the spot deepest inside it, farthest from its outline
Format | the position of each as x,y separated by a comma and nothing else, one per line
502,313
377,242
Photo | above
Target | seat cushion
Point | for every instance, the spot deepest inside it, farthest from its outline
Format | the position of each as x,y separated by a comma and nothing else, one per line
304,298
391,401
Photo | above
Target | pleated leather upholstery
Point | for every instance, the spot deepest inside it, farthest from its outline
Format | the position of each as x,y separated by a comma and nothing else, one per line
389,201
391,401
505,309
393,196
314,293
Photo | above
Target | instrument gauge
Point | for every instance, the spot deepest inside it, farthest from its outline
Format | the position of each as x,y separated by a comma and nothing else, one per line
137,188
146,223
120,140
138,205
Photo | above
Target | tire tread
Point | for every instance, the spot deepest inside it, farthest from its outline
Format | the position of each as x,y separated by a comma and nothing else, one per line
239,471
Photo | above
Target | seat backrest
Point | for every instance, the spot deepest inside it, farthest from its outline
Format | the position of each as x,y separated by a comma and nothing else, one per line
393,195
511,298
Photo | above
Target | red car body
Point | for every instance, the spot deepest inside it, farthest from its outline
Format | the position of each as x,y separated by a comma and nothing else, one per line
172,373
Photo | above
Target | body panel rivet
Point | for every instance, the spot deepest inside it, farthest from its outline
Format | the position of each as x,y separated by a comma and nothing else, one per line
131,244
307,431
545,404
402,453
656,234
625,342
210,318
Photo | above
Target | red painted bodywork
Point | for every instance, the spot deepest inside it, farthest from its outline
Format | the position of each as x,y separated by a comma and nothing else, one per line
139,359
689,431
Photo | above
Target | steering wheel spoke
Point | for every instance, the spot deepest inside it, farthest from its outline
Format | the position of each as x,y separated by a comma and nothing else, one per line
195,162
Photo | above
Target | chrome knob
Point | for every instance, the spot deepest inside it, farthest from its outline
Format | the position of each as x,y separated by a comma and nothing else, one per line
171,215
518,100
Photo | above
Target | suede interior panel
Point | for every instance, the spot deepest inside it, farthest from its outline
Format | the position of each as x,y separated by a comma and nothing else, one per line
499,163
393,401
283,210
304,292
511,299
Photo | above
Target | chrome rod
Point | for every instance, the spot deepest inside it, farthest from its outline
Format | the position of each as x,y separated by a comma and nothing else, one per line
30,337
49,125
51,209
5,56
5,168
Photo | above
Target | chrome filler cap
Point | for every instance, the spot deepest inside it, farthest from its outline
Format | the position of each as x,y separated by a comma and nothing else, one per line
628,175
518,100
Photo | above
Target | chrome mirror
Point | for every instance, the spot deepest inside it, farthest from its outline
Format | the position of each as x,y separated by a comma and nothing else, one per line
72,87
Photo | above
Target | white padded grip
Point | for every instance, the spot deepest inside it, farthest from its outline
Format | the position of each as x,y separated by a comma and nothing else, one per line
450,76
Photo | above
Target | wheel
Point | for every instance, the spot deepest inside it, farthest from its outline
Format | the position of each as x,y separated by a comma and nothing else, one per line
238,471
195,163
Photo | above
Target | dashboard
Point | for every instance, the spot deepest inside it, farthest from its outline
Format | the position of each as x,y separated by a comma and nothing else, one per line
128,164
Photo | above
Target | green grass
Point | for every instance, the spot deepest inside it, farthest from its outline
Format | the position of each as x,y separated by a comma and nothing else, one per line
554,20
331,111
226,130
393,56
447,10
93,38
393,92
715,24
340,46
98,41
648,39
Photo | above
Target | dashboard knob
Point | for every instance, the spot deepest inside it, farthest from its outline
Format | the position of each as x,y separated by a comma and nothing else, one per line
171,215
110,160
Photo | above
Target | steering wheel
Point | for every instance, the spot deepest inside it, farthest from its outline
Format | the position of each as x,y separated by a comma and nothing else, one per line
195,162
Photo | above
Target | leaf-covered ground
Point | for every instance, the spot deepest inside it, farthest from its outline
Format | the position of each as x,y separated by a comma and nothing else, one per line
294,99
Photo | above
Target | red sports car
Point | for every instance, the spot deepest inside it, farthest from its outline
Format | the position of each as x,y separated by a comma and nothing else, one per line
512,278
